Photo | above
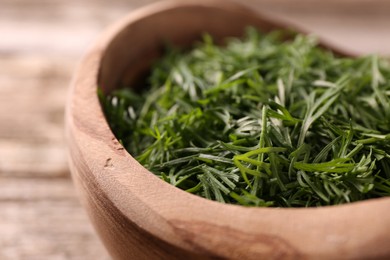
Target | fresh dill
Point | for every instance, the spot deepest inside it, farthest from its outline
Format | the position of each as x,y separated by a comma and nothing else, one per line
262,121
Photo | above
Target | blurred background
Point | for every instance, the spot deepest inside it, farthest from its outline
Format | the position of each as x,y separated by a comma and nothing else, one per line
41,42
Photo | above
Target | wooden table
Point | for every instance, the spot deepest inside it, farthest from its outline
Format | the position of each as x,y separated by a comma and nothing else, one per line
40,44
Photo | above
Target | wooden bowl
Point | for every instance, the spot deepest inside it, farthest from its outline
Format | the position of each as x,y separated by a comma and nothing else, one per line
138,216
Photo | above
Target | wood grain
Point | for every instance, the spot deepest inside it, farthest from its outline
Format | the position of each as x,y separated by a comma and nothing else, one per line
41,217
41,43
139,216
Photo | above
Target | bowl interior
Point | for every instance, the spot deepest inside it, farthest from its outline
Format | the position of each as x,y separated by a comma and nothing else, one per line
132,51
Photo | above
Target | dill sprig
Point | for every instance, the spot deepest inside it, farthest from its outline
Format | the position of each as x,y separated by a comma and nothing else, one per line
262,121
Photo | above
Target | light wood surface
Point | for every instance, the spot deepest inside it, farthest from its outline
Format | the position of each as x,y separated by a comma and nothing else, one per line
41,42
140,217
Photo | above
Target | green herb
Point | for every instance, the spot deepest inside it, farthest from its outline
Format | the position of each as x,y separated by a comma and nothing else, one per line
262,122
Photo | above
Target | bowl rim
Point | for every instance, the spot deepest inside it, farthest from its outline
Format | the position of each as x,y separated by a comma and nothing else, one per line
122,180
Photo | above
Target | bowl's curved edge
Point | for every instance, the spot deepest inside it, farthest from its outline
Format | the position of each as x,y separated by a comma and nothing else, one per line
161,221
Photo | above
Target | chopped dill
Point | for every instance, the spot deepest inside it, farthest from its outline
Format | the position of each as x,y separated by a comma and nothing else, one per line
262,121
